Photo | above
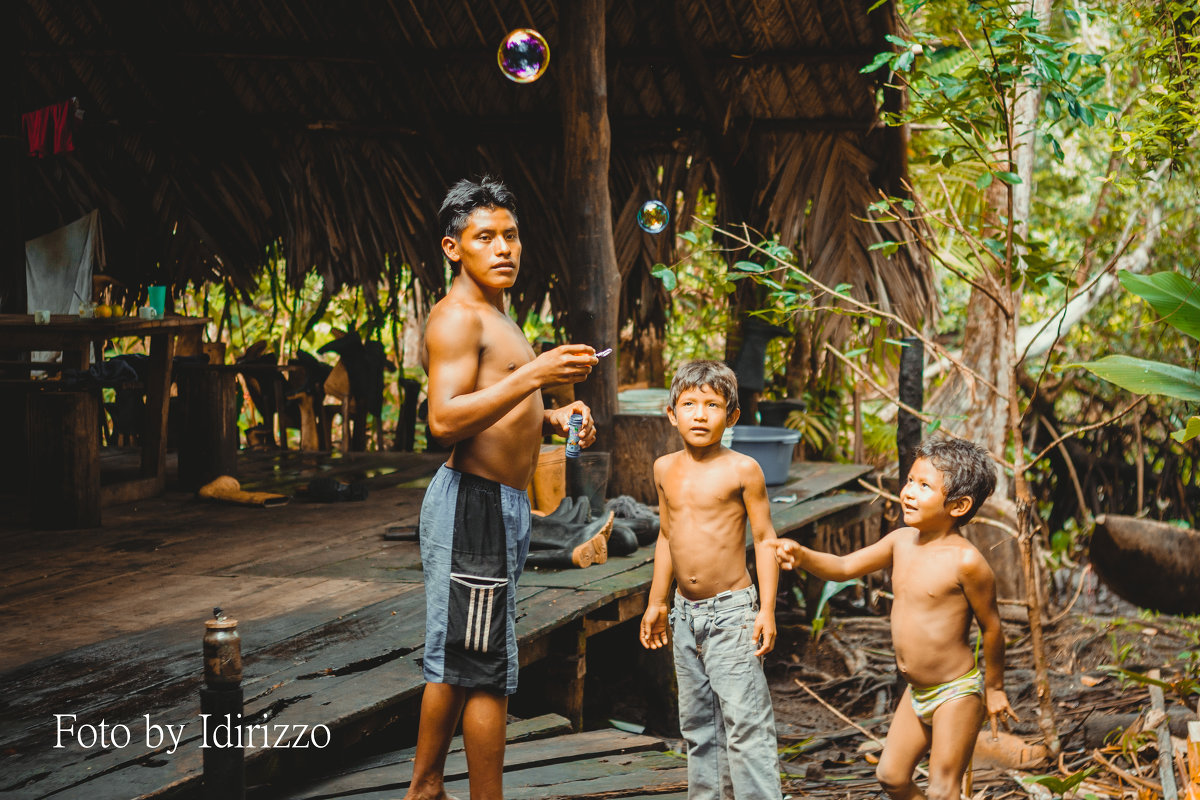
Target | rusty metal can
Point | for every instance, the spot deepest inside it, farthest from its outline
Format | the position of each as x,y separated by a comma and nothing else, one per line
222,654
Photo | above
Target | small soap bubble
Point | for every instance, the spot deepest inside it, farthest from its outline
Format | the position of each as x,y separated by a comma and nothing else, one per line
523,55
653,216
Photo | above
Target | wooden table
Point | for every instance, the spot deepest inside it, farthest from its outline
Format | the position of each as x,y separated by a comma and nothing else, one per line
75,336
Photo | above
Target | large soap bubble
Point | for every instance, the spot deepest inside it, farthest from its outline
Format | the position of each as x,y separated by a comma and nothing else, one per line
653,216
523,55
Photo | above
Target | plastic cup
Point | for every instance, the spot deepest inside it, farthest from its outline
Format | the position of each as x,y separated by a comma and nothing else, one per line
156,298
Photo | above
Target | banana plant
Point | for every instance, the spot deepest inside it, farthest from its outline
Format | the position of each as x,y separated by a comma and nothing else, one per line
1176,299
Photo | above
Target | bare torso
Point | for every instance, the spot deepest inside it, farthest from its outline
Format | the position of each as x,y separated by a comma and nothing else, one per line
931,617
705,515
506,451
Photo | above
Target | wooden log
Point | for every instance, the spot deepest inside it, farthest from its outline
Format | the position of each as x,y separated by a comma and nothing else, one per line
593,278
209,434
1152,564
639,440
64,459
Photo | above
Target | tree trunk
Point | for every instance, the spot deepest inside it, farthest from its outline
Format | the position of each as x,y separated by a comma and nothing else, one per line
587,214
973,411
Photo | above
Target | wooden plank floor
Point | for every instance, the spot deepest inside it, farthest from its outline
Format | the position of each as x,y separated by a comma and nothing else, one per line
106,625
608,763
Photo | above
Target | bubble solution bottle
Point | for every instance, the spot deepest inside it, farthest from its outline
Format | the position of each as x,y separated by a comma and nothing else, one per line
574,425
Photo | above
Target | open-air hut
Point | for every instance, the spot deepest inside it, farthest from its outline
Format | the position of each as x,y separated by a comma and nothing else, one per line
211,129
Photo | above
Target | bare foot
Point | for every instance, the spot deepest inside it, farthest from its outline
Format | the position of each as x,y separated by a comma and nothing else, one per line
594,550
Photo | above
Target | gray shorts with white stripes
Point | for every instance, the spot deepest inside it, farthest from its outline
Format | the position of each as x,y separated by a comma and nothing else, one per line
474,539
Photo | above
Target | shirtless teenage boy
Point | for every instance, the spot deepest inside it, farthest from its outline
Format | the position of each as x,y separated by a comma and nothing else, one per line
940,581
706,492
484,399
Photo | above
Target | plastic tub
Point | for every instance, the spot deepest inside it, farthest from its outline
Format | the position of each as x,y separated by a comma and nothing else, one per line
770,447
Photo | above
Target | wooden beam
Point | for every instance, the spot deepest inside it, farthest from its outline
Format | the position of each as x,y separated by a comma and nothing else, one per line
358,53
12,151
591,272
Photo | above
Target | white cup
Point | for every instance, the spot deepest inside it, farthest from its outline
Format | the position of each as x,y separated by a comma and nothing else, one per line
148,312
41,317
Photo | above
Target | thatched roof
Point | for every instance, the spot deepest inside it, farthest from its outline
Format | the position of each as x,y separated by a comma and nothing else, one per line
216,127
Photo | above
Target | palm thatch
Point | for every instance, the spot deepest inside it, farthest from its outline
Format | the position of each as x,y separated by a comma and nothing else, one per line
216,128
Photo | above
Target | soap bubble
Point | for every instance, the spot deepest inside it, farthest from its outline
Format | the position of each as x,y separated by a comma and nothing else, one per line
653,216
523,55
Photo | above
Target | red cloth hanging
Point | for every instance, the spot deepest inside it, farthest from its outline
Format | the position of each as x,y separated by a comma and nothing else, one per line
48,130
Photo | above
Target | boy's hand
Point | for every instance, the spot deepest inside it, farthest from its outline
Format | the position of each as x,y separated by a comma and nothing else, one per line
789,554
654,627
764,629
558,418
567,363
998,709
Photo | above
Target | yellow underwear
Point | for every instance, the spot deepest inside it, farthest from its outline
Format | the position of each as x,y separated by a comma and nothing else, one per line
926,701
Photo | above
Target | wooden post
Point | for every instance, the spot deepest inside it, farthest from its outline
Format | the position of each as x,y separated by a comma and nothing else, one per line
64,459
12,151
209,433
158,385
566,666
912,394
591,269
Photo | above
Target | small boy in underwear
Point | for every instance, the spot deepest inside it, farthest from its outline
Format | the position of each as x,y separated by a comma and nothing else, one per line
940,582
706,494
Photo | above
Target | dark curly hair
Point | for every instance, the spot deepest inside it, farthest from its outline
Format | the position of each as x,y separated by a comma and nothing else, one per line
967,470
713,374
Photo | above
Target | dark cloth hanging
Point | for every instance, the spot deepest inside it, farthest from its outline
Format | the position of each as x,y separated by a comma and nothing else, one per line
49,130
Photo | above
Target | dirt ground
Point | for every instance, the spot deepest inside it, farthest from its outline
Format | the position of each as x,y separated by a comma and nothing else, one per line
851,668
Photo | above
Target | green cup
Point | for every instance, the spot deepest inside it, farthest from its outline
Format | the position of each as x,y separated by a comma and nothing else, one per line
156,298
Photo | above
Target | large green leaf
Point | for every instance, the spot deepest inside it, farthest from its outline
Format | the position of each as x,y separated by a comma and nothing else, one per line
1173,295
1188,433
1141,376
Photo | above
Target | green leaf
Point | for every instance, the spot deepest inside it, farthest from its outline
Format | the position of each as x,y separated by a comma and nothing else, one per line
1173,295
667,276
1011,178
830,589
748,266
877,62
1190,432
689,237
984,180
1141,376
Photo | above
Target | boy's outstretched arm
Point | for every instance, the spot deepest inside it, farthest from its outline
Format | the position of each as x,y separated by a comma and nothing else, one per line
979,586
654,620
758,511
792,555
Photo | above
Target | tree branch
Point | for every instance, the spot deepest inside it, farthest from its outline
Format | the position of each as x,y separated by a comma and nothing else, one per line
1085,429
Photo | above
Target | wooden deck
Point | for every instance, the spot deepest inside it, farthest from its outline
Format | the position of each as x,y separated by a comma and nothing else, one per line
543,761
106,625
